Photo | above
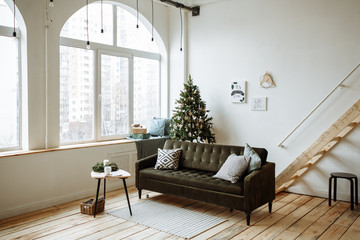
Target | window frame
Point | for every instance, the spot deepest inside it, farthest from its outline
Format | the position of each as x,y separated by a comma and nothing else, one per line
8,32
112,50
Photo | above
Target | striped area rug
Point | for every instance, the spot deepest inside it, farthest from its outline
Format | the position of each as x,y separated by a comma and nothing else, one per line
170,219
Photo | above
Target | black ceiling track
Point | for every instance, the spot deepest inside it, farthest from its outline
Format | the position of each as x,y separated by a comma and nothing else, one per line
195,10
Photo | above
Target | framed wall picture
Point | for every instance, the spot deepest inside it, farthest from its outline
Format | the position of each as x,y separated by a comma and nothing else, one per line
259,104
238,92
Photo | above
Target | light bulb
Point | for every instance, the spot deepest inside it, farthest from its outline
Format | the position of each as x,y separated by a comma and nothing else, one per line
51,3
88,45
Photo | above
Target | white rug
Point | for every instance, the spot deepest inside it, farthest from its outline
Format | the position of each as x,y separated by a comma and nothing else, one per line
170,219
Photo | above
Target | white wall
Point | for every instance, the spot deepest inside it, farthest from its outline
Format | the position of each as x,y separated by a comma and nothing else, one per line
40,180
308,47
35,181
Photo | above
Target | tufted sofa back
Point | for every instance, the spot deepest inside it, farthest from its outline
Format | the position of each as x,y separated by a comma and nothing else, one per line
208,157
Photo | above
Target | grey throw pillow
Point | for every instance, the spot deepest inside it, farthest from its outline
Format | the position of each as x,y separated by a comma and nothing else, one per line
168,159
255,162
233,168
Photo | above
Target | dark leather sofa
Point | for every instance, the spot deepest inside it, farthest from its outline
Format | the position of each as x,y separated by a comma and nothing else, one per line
194,180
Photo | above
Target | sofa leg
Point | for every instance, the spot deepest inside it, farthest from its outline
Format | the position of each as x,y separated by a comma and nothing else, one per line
248,218
270,206
139,191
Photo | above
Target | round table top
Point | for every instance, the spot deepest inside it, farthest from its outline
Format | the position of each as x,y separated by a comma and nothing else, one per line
117,174
343,175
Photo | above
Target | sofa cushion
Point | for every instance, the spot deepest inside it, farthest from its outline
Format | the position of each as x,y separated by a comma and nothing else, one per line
233,168
255,162
193,178
208,157
168,159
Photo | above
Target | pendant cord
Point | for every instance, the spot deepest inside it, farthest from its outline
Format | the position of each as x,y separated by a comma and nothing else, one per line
181,30
102,17
137,13
87,23
14,32
152,20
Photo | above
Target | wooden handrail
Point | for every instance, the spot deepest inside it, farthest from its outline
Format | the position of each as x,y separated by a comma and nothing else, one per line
339,85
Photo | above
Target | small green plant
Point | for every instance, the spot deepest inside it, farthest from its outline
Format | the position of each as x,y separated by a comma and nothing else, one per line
99,167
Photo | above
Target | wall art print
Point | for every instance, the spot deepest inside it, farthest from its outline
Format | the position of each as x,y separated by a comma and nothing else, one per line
258,103
238,92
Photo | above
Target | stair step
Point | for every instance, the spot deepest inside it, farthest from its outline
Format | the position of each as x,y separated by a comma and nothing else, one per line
332,136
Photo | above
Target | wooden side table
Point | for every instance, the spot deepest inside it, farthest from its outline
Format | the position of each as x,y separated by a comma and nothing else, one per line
120,174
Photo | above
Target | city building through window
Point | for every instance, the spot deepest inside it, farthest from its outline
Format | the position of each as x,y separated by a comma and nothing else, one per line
10,84
111,85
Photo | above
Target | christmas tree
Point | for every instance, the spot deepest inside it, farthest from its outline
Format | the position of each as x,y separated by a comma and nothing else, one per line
190,120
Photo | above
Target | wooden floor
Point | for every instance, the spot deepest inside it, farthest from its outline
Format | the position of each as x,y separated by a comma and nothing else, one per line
294,217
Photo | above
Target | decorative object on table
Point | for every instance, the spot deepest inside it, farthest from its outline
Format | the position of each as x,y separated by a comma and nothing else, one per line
266,81
107,170
138,129
238,92
174,220
88,207
106,162
99,167
190,120
258,103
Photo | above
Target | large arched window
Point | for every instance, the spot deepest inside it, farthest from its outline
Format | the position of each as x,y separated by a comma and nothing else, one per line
114,83
10,101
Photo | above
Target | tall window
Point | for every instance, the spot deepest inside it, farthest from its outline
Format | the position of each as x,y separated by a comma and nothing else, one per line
10,121
115,83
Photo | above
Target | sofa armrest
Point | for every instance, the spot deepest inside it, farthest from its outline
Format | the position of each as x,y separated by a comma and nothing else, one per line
147,162
259,187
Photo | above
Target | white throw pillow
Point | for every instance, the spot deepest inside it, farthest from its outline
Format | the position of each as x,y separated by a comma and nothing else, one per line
168,159
233,168
255,162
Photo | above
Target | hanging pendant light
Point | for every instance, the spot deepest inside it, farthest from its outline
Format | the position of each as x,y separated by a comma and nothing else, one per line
181,29
51,3
87,25
102,17
152,20
137,13
14,32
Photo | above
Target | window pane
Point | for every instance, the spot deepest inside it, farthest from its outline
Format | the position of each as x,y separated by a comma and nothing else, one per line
146,90
75,27
114,95
129,36
6,15
76,94
9,93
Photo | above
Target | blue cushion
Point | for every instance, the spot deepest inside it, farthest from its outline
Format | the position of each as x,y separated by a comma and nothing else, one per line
157,127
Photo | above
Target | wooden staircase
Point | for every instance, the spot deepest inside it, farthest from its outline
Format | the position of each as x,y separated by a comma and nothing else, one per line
319,148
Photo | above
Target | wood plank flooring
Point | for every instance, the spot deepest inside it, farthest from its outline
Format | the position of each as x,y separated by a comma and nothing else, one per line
294,217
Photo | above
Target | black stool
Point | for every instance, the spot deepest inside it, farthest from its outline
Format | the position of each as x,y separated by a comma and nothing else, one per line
350,177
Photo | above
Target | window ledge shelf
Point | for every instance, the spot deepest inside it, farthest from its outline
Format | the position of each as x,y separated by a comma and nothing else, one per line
67,147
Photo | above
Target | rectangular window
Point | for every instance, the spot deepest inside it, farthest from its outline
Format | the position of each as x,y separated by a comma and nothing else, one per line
76,124
114,95
146,90
9,94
